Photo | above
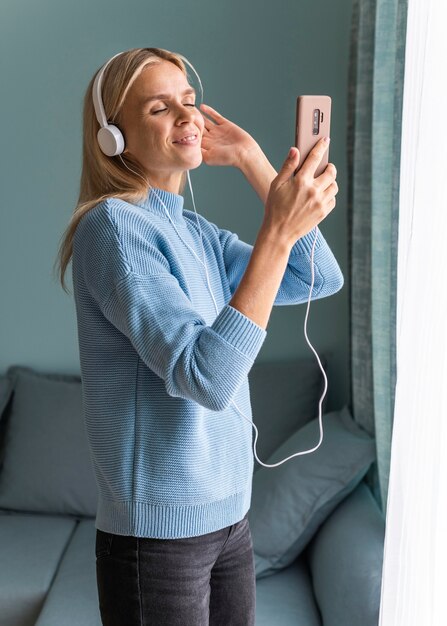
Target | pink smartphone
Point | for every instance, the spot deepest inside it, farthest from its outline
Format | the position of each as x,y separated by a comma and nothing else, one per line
313,121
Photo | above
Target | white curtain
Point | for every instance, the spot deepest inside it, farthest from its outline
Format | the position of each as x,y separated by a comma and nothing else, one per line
414,581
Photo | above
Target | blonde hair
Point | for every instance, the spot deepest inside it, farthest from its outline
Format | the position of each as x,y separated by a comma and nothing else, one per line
102,176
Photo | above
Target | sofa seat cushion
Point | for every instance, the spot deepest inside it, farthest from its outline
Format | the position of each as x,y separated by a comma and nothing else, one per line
73,597
286,598
31,547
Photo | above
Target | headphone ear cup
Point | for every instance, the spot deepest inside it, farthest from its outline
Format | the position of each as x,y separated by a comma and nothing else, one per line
111,140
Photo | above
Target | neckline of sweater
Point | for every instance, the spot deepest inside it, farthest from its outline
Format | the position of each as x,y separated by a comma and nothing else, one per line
154,202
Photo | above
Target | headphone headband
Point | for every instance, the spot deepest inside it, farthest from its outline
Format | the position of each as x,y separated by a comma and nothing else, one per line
97,88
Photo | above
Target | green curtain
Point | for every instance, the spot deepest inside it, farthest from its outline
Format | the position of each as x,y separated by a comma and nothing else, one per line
375,94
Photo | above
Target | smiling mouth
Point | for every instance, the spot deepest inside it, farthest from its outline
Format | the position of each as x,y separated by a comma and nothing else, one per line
192,140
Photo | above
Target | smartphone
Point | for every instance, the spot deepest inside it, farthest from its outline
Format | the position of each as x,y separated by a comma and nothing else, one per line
313,121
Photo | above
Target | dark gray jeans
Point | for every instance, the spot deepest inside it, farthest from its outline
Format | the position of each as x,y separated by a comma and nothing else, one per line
207,580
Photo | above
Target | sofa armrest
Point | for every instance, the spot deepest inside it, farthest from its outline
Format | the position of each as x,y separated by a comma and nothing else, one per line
345,559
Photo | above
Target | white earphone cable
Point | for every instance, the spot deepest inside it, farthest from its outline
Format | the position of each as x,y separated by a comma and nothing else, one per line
217,312
97,96
322,369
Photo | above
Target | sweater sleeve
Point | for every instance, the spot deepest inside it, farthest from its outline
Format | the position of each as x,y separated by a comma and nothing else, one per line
199,362
297,279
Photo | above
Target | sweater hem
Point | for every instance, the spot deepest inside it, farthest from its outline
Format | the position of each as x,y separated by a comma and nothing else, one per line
170,521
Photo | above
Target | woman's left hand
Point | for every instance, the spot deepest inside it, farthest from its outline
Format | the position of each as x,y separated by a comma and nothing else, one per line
223,142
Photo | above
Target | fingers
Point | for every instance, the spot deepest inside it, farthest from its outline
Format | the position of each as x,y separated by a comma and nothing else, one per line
212,113
327,177
329,196
313,158
332,190
288,166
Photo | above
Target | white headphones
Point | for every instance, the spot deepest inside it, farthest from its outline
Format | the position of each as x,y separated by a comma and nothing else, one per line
110,138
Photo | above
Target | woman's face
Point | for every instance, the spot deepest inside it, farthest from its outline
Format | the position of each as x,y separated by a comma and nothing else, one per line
152,126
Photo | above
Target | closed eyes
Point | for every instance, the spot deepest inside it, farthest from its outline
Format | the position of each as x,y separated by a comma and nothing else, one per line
160,110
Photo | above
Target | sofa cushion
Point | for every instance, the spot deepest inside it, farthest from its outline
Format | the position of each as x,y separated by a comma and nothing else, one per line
287,598
73,597
284,396
346,558
290,501
31,547
46,465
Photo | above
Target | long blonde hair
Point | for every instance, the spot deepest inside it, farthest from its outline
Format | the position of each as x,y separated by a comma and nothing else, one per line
102,176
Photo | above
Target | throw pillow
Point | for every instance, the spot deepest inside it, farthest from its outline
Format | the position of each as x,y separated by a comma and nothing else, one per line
46,465
290,501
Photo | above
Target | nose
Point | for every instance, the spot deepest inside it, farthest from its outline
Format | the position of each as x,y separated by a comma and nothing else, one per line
189,114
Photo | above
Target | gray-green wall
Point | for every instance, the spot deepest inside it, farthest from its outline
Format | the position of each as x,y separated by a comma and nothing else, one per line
254,59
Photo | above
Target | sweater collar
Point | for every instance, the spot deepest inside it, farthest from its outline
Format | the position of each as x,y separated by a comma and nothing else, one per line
155,199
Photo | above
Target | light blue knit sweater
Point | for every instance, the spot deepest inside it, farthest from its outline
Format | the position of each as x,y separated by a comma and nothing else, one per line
171,455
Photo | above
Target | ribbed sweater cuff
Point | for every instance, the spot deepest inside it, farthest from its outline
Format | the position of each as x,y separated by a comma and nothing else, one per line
239,330
304,244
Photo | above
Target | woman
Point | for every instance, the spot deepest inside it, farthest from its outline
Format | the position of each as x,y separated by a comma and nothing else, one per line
166,343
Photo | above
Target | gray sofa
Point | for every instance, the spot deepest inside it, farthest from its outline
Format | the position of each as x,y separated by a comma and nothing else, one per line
317,531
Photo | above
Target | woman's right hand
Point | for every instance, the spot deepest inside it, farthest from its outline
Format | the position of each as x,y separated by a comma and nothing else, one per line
296,204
